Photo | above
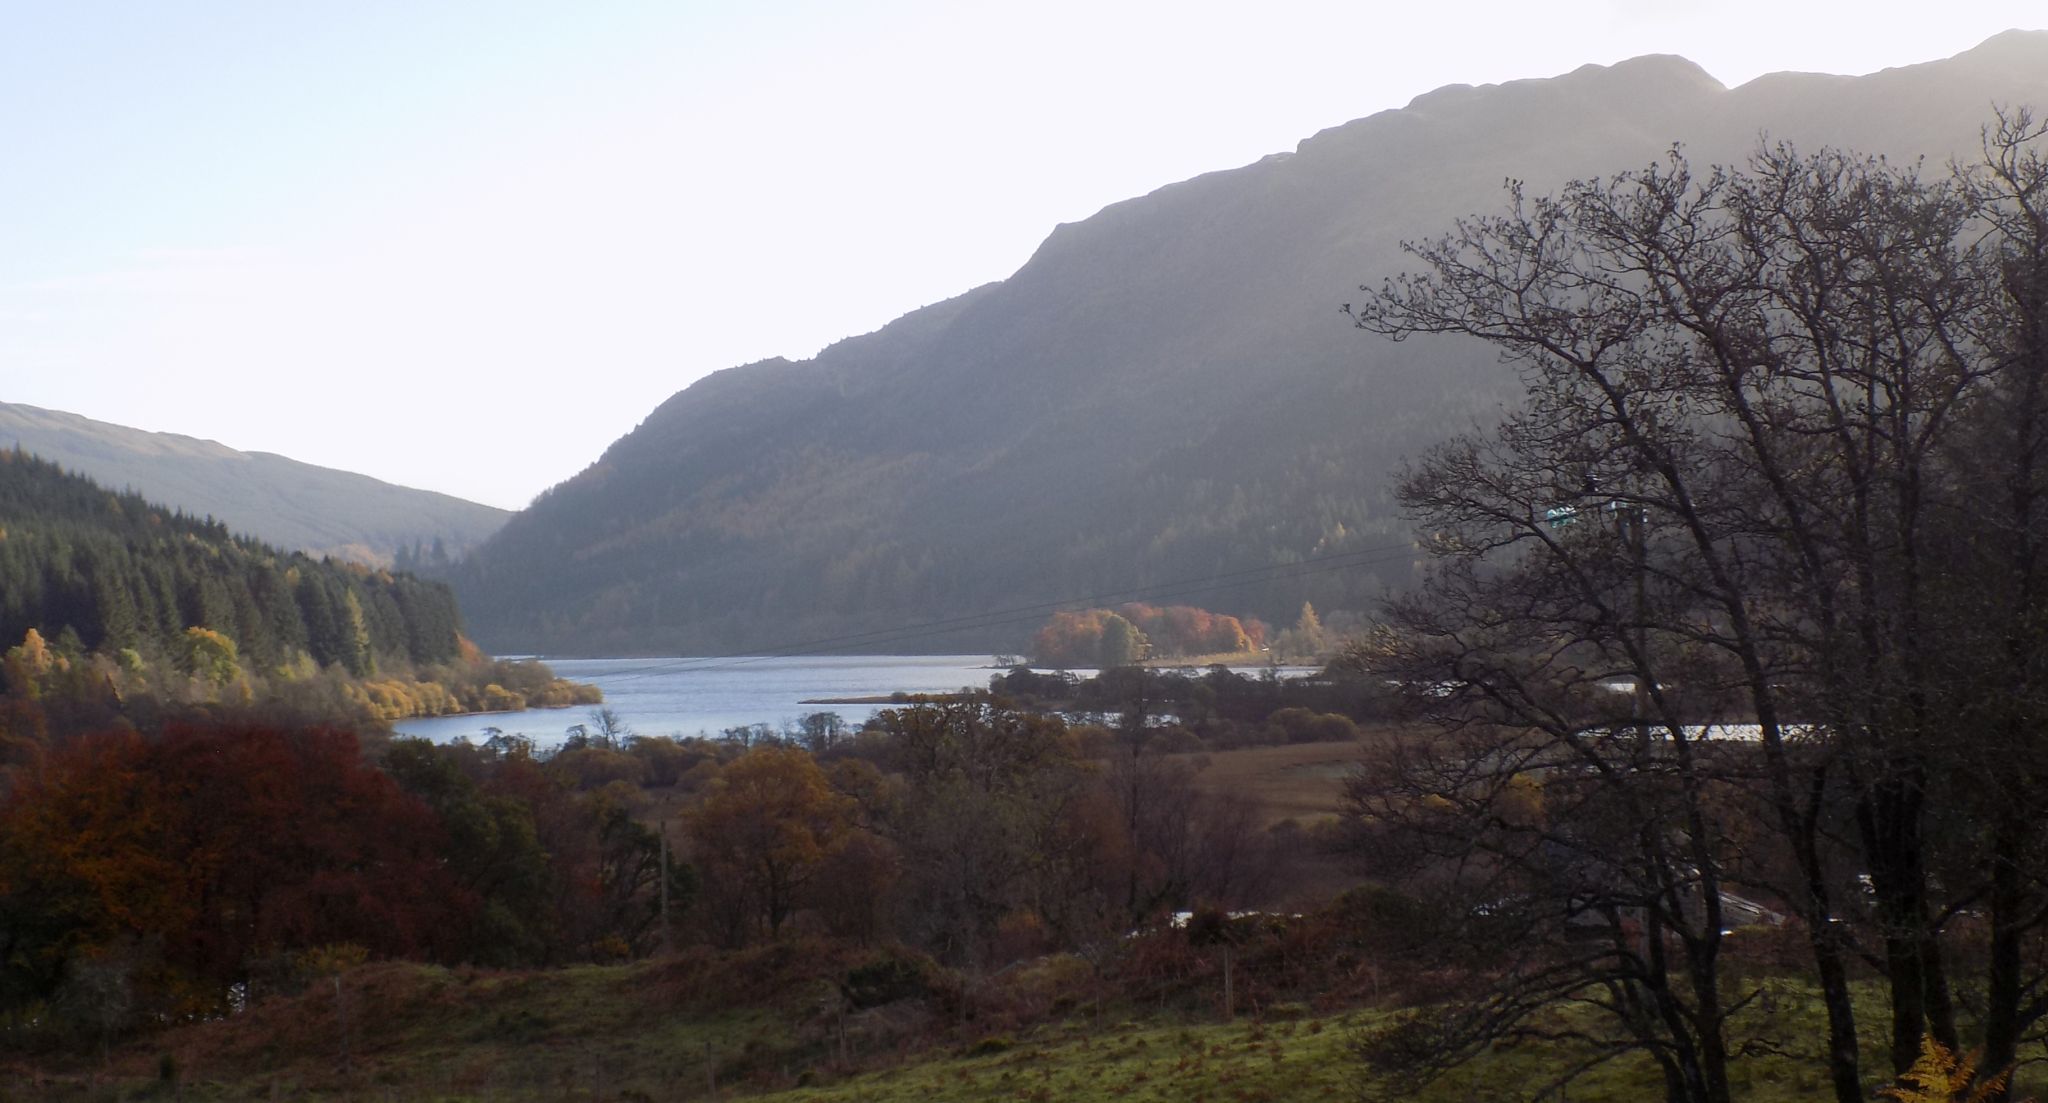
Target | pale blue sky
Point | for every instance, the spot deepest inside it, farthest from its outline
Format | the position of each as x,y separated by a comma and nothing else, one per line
466,245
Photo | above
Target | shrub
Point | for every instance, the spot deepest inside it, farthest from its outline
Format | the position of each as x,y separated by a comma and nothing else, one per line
891,975
1300,725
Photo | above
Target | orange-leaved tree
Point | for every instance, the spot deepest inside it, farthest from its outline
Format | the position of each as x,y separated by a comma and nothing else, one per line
217,848
771,821
84,865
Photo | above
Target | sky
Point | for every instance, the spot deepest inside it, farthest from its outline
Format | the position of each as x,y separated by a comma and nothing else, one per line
465,246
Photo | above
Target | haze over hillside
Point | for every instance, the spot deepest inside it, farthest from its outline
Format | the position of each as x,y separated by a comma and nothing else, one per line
1165,395
278,500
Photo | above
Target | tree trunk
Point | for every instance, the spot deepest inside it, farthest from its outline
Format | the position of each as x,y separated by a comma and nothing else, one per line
2004,986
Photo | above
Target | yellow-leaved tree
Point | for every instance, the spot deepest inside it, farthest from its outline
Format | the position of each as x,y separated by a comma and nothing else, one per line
211,656
771,821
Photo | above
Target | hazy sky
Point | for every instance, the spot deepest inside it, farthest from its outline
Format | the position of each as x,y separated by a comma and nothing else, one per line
465,246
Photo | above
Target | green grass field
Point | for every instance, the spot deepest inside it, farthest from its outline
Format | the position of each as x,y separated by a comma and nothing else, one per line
670,1030
1133,1060
1287,1058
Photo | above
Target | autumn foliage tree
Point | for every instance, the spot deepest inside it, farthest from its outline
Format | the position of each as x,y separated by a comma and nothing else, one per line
215,848
1187,630
167,875
83,864
567,874
493,846
1116,637
768,827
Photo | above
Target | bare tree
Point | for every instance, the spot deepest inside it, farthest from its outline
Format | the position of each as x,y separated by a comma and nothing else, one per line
1999,588
1733,488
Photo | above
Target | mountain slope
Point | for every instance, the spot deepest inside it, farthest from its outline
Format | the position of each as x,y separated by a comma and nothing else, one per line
1165,392
281,501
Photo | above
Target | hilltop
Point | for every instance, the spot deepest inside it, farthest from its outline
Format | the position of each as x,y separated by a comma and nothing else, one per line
281,501
1165,394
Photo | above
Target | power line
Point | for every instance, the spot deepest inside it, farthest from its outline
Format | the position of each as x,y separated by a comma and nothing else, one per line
996,618
1025,613
1001,619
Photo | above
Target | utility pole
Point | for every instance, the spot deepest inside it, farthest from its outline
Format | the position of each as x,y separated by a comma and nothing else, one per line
1640,707
667,946
1229,986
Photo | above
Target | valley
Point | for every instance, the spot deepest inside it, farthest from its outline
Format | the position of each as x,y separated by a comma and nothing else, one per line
1537,593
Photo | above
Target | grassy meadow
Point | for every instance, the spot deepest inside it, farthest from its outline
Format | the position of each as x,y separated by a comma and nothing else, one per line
653,1031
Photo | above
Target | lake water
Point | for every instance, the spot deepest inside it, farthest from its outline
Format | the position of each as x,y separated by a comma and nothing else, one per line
708,695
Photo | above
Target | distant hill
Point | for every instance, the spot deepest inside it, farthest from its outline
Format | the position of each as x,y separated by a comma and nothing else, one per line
279,500
1166,392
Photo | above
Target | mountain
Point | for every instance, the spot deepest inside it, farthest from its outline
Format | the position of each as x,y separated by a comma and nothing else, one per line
1166,395
282,501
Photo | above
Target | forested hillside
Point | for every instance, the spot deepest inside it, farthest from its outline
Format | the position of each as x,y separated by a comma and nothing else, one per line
115,572
296,506
114,610
1166,392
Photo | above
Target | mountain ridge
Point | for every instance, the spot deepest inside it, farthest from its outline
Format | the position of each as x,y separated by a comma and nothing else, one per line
283,501
1163,390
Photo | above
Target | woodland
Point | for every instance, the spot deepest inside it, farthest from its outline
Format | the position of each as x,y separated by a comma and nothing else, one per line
161,879
127,612
1780,461
1182,634
111,572
202,811
1702,761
